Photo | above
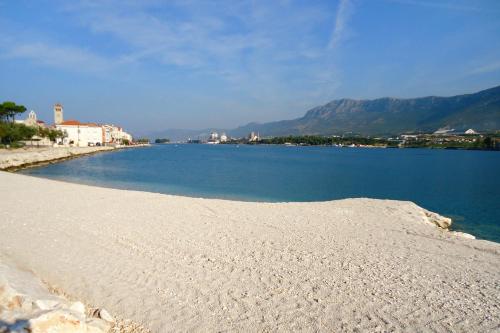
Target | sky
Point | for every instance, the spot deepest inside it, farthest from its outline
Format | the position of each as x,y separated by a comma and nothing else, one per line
150,65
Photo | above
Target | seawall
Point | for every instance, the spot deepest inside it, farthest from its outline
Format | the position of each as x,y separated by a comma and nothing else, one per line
14,159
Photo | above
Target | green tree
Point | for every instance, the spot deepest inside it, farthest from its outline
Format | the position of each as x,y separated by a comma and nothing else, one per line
9,110
11,132
52,134
162,140
488,143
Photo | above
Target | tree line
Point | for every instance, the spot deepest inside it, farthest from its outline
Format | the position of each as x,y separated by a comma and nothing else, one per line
483,142
317,140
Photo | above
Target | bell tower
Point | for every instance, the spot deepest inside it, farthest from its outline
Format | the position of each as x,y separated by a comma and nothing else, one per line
58,114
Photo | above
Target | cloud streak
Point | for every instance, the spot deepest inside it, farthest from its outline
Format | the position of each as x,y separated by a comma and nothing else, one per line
340,31
53,55
485,69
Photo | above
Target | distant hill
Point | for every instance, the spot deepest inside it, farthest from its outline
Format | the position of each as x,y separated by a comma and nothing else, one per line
382,116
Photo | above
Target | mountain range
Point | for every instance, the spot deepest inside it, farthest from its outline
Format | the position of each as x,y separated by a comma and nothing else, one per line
382,116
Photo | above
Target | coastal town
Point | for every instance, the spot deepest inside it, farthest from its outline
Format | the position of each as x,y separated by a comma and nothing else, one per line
74,133
31,141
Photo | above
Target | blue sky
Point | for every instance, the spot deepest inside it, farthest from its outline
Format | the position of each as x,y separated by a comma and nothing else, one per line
152,65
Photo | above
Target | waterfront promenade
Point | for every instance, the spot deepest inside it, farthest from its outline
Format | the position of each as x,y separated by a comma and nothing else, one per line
11,159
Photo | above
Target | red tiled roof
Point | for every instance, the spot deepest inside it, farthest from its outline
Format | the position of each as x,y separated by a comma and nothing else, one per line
71,122
77,123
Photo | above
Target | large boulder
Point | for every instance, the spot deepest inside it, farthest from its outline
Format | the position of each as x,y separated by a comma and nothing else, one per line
438,220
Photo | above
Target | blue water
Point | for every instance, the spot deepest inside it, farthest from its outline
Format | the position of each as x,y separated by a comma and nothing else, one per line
464,185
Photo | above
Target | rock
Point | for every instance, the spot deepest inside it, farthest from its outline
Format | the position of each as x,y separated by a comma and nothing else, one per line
57,321
8,297
104,315
78,307
463,235
42,304
436,219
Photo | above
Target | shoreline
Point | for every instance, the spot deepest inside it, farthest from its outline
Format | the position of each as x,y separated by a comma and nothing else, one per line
24,158
179,263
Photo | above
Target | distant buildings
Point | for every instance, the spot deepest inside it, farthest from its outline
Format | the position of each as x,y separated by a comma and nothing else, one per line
115,134
223,138
213,138
253,137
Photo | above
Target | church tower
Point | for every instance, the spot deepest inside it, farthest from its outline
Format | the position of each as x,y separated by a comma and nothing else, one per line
31,120
58,114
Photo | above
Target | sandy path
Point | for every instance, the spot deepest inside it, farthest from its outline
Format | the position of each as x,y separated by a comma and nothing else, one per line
183,264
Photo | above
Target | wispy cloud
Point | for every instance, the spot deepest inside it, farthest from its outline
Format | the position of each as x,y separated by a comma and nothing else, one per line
191,35
54,55
487,68
262,50
340,30
250,44
327,81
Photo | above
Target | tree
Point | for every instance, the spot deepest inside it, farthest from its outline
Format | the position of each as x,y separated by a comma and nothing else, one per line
488,142
52,134
162,140
10,132
9,110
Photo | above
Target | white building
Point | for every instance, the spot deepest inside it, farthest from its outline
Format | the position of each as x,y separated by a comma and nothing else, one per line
81,134
115,135
31,120
214,138
253,137
223,137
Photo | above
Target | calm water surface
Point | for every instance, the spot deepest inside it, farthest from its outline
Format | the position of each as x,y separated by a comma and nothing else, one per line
464,185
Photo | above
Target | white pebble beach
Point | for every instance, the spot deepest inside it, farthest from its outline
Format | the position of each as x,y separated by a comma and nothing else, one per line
173,263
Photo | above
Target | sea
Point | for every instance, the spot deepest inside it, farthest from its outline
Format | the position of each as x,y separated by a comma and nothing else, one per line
461,184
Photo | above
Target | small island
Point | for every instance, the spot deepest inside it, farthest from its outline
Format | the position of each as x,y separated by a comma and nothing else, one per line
164,140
